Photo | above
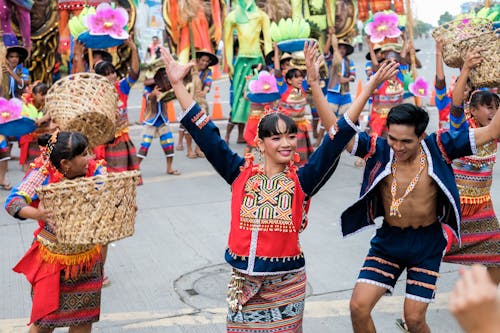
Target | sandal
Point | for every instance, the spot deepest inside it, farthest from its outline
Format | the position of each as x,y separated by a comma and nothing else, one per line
6,187
174,172
179,147
106,282
200,154
192,155
400,323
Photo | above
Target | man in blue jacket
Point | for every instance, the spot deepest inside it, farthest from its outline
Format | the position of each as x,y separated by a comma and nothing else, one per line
409,182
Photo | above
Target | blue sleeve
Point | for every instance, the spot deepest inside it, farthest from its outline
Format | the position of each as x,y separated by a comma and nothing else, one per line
208,80
363,143
442,100
126,84
206,135
323,162
26,74
282,86
455,144
458,123
25,193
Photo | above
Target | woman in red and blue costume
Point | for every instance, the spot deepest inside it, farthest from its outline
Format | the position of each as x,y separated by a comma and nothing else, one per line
66,280
270,202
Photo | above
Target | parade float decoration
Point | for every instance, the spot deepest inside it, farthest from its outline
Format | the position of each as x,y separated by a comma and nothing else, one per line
197,22
290,36
383,25
263,89
419,88
12,122
376,6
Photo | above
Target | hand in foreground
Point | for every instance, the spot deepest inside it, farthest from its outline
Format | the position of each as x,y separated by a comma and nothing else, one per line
313,61
175,71
475,302
387,70
473,58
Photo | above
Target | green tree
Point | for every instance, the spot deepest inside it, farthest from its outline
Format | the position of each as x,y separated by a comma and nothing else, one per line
421,28
444,18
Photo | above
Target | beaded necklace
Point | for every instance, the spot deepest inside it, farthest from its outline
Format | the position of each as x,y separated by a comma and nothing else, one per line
394,210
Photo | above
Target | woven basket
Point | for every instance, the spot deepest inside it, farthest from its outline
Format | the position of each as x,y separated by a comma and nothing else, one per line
486,74
86,103
452,33
93,210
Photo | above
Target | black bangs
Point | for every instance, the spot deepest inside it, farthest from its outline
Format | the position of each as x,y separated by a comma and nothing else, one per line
268,125
485,98
104,68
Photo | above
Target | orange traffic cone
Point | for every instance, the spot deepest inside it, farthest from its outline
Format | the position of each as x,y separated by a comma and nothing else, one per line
217,107
432,101
215,72
359,88
171,112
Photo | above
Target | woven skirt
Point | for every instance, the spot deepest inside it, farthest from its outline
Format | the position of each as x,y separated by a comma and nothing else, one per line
121,155
480,233
79,300
270,304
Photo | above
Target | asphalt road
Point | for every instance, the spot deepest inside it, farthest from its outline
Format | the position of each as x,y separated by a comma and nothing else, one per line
171,276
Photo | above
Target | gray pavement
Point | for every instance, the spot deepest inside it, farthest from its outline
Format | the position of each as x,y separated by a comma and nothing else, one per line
171,277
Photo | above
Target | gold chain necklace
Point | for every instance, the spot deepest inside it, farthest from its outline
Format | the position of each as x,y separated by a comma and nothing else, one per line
394,211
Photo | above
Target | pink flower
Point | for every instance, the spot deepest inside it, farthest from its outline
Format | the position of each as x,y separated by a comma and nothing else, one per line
419,88
384,25
108,21
10,109
265,84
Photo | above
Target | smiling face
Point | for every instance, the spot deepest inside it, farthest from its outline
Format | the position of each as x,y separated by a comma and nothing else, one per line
296,80
203,62
279,148
403,140
77,166
483,114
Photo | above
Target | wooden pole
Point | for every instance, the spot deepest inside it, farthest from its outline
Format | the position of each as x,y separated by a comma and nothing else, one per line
409,28
91,60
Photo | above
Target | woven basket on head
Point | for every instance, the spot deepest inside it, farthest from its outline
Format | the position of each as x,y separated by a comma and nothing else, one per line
86,103
452,33
92,210
487,73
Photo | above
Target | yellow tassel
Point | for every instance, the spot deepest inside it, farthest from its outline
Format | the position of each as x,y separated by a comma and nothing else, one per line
70,259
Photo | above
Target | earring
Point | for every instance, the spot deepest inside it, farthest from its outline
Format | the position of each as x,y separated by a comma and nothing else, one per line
261,160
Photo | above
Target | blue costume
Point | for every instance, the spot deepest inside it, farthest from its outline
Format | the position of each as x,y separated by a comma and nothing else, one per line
390,251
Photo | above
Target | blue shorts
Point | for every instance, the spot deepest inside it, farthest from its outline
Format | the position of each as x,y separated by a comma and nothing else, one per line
419,251
338,98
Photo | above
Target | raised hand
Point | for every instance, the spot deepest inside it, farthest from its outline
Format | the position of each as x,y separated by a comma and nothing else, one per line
175,71
313,61
387,70
473,58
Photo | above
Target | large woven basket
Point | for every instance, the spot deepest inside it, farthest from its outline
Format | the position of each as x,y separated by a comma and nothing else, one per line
453,32
486,74
86,103
93,210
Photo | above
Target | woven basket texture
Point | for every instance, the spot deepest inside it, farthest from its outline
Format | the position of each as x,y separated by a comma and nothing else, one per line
93,210
86,103
487,73
453,32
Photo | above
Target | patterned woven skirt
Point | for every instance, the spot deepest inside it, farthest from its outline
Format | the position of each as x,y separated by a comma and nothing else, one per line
480,234
79,300
120,154
270,304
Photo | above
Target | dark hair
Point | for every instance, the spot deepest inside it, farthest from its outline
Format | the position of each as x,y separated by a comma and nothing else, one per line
104,68
40,88
67,146
293,72
409,114
268,125
161,80
485,98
